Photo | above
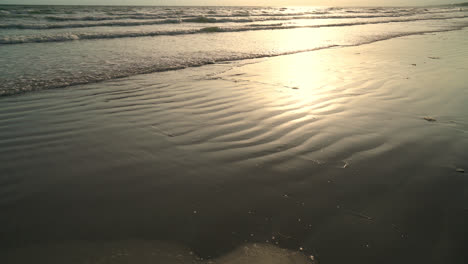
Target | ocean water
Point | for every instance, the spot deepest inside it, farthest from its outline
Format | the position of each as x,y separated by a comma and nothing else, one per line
44,47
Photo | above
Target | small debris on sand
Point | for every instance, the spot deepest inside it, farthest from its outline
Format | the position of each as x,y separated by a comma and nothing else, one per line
295,88
460,170
402,235
434,58
414,64
357,214
429,119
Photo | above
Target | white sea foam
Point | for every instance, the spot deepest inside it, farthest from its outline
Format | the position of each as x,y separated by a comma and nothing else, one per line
47,37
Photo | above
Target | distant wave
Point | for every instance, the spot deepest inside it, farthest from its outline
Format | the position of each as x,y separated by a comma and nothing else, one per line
124,23
103,18
9,40
80,25
213,14
166,16
199,19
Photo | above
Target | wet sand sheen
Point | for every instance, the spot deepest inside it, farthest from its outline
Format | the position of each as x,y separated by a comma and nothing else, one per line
327,151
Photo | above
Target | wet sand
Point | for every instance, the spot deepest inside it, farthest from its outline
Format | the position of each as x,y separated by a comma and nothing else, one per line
350,155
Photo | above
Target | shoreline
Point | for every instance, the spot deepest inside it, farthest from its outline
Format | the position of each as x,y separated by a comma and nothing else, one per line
68,84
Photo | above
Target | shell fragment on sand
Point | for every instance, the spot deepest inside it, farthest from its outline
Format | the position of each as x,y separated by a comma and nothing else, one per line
429,119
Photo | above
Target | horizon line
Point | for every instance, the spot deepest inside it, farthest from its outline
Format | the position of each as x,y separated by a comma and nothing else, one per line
20,4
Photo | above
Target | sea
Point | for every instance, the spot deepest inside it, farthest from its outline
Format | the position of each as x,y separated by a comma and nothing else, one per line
44,47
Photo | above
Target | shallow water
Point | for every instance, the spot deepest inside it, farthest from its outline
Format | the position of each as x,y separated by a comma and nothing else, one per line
323,154
57,46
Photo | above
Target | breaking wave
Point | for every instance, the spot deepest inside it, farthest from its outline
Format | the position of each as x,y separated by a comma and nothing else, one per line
15,39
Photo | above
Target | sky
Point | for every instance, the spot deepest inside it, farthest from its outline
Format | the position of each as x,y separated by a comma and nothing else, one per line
240,2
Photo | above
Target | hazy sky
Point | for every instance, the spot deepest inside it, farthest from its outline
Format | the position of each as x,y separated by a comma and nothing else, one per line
239,2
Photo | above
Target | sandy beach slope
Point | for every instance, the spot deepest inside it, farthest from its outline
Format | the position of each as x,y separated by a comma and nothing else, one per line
350,155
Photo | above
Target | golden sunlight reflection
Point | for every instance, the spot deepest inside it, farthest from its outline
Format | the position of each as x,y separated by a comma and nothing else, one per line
306,77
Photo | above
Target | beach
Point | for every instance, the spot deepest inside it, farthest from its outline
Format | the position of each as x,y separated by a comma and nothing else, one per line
341,153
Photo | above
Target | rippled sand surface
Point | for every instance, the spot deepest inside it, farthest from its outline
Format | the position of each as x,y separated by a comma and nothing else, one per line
349,155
